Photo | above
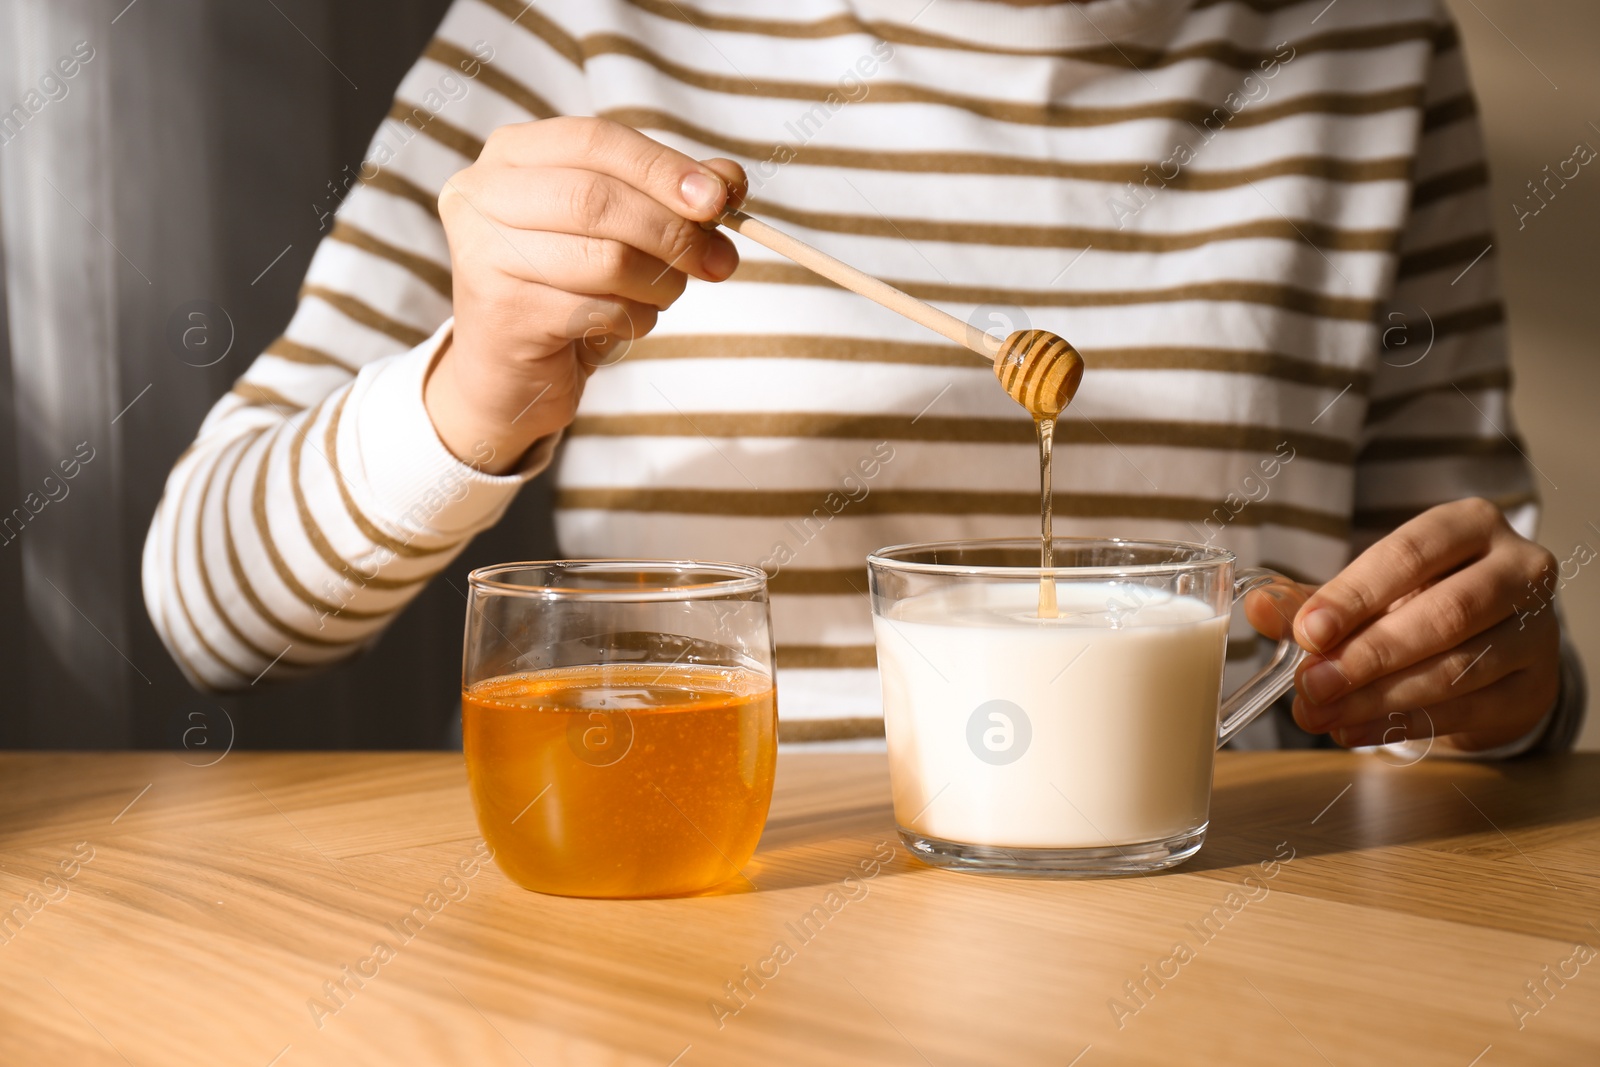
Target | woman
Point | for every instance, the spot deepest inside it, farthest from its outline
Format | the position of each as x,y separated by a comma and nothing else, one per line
1264,224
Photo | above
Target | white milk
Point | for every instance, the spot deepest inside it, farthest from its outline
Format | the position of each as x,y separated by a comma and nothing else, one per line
1122,740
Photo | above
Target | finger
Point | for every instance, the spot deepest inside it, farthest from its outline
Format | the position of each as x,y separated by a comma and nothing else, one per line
1433,543
530,319
603,334
1468,667
588,318
597,349
1271,608
592,265
1411,724
1437,619
587,204
674,180
1494,715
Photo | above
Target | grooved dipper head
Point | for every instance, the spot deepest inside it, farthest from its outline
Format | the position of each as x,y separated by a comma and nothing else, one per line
1039,370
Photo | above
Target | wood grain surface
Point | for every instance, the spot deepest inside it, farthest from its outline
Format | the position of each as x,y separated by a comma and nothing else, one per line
1344,911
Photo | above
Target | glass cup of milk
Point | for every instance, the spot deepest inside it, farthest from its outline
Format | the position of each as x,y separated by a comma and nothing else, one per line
1076,745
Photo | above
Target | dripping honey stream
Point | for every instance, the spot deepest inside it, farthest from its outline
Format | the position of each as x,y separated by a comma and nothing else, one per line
1047,581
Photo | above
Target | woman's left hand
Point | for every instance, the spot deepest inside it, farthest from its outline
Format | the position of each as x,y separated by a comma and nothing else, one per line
1443,628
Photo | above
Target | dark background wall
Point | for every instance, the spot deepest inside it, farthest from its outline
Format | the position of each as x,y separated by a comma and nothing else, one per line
187,154
190,152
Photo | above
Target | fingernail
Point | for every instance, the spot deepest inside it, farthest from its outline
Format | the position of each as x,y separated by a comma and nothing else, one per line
1321,683
1320,627
720,259
700,192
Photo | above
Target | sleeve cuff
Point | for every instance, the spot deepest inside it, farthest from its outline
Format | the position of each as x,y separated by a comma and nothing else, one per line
406,475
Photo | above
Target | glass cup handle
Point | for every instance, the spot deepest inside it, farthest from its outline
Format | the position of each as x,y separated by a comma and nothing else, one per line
1271,681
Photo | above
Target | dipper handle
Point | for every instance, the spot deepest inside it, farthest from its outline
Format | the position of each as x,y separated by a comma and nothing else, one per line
1038,369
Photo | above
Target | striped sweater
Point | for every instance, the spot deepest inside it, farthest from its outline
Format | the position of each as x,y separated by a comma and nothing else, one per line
1265,224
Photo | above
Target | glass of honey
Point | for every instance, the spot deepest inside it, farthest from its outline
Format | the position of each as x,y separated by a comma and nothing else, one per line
619,722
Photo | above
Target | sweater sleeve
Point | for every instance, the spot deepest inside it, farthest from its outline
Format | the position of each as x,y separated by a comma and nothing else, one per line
317,499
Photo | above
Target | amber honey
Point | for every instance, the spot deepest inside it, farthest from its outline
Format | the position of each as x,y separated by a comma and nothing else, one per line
621,780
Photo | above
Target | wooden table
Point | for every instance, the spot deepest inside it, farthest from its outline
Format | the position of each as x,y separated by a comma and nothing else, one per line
208,908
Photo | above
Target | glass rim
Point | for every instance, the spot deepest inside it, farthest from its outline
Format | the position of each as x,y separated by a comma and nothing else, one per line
738,578
1211,556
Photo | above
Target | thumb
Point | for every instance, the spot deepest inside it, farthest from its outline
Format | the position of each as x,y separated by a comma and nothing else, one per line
733,174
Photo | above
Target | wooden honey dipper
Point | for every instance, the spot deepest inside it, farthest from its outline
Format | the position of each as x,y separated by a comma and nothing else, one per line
1038,369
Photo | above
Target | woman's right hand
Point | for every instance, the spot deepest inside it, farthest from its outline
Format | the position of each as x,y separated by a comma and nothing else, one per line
567,237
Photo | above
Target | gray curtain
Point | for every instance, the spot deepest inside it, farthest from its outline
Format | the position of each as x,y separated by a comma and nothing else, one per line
175,172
